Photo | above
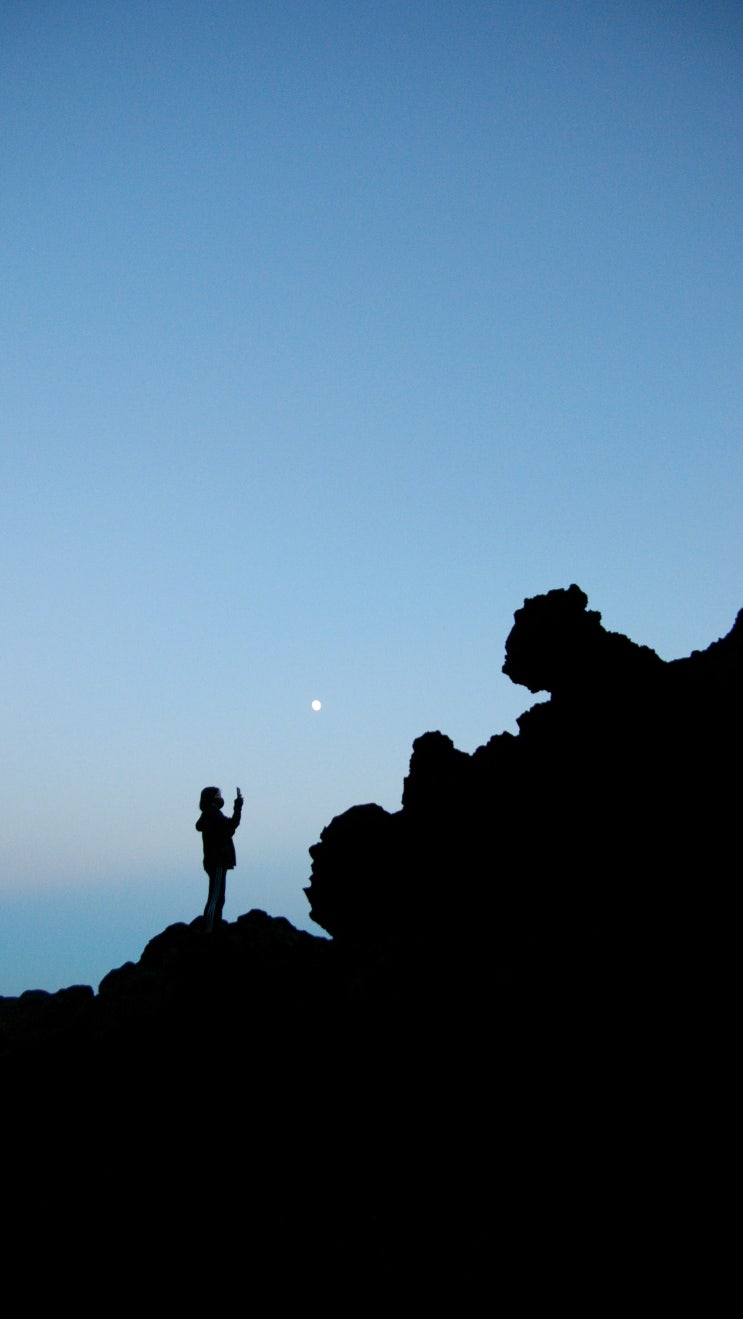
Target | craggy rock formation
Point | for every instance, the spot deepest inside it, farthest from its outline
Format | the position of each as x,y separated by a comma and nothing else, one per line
603,814
506,1072
368,838
557,645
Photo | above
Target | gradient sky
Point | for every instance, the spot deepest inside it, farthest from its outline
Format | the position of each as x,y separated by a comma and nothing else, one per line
330,332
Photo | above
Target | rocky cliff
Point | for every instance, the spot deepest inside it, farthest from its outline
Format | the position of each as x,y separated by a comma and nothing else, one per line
505,1074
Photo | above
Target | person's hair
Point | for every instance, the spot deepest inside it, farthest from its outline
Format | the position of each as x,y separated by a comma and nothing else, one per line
207,798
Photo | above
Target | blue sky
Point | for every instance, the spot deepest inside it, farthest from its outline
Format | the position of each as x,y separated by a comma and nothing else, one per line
332,331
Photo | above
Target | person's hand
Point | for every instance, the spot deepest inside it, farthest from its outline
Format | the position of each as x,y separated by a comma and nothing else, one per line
238,795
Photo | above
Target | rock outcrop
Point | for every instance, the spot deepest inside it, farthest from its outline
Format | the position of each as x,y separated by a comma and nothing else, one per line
506,1072
605,813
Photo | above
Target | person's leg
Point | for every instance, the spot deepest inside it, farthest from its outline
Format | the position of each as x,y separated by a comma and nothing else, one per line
215,901
221,893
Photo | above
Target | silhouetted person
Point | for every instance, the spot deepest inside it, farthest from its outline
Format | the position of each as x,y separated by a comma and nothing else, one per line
219,850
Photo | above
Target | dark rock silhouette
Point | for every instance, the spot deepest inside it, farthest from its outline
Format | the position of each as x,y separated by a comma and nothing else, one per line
594,816
507,1069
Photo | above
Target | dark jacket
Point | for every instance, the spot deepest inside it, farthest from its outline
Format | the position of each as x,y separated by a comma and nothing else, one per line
216,831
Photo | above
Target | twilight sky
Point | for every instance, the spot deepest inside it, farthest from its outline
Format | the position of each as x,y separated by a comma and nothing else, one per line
331,330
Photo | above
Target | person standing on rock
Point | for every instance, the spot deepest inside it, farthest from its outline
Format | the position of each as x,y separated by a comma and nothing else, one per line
216,832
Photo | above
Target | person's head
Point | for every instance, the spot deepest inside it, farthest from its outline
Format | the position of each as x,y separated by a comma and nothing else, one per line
210,797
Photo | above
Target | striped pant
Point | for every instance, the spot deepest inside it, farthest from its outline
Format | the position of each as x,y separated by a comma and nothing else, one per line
215,901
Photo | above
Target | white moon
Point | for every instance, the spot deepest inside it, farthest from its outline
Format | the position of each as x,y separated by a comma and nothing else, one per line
317,705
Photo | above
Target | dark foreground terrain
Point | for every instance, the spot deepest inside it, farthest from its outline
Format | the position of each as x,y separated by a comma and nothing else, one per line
507,1077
